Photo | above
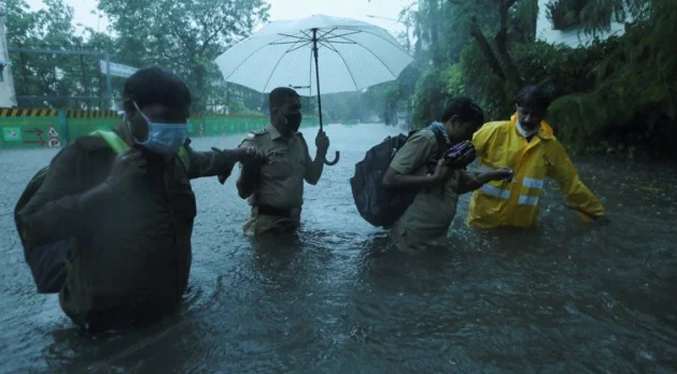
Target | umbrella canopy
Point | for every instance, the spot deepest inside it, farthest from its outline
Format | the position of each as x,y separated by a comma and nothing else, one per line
352,55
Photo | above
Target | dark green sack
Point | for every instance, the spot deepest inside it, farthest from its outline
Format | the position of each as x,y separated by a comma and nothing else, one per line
48,262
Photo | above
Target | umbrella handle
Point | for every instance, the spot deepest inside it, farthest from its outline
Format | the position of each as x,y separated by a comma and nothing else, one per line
335,161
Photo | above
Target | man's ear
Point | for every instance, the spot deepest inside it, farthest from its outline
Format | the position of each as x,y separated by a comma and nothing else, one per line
127,106
129,109
453,119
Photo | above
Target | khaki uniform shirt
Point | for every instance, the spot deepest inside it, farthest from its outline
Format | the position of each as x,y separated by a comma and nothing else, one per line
280,181
426,221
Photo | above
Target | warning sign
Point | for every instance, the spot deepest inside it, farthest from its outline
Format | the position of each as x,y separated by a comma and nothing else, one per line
54,143
52,132
11,134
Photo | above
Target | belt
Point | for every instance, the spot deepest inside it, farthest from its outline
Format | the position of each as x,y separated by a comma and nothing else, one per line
268,210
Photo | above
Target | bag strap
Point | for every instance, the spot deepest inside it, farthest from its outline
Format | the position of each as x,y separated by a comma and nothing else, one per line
115,142
442,143
183,157
118,145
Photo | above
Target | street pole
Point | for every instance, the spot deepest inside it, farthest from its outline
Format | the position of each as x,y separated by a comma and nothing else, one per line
109,85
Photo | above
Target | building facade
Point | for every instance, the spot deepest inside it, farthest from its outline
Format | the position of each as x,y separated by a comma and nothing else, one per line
7,93
566,28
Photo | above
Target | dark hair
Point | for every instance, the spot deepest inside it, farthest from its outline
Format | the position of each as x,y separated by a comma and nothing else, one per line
466,110
279,96
156,86
535,97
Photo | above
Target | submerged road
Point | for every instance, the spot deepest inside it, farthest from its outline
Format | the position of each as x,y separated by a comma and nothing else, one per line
564,298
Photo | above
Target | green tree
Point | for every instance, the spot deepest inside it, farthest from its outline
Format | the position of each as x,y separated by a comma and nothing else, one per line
184,37
631,104
55,80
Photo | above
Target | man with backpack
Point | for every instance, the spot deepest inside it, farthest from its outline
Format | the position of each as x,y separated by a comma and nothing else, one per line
119,207
422,167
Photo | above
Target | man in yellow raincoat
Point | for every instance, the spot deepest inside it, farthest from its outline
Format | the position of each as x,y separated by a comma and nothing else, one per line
527,145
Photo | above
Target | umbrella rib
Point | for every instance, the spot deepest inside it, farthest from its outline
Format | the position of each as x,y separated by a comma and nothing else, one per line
378,58
328,46
346,65
292,36
245,60
384,39
289,42
372,53
338,42
275,68
297,48
341,35
327,33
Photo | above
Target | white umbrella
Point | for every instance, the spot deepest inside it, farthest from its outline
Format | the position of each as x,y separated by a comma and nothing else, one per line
345,54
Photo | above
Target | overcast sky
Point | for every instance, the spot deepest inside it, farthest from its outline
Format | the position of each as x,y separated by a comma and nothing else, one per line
280,9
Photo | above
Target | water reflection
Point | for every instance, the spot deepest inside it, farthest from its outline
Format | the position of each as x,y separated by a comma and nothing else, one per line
336,297
274,254
177,340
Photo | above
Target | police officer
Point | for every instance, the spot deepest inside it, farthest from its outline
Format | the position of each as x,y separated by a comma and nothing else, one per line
425,223
275,188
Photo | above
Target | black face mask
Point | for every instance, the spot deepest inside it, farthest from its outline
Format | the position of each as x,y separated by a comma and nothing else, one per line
294,122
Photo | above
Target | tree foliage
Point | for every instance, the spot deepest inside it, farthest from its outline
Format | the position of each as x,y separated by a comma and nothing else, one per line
614,94
631,103
51,78
184,37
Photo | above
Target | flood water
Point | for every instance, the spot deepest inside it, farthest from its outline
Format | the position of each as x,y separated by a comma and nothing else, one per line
564,298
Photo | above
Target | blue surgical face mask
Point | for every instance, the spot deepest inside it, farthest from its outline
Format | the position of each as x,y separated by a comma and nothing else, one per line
163,138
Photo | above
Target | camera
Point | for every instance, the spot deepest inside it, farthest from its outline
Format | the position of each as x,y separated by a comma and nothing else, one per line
460,155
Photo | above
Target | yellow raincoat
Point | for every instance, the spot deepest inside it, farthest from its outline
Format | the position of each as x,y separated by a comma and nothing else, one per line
516,203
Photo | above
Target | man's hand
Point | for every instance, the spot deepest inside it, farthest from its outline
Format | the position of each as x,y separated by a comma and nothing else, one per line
251,156
127,166
603,220
322,142
502,174
442,171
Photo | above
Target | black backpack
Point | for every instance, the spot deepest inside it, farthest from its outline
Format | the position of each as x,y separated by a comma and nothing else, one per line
377,205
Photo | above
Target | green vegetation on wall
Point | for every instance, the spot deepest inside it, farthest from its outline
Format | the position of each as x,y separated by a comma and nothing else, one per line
613,96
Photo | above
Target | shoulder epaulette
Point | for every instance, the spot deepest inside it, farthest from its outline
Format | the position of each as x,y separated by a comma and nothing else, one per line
253,134
303,140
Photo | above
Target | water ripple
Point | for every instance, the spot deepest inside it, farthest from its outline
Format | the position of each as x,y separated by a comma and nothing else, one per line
566,297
